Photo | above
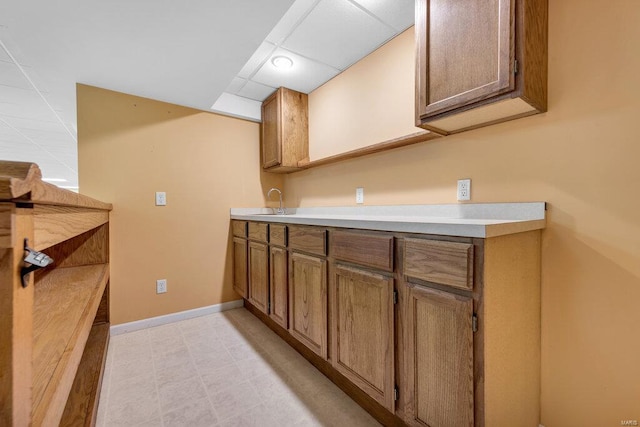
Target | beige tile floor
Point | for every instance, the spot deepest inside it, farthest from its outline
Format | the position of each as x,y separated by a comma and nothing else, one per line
224,369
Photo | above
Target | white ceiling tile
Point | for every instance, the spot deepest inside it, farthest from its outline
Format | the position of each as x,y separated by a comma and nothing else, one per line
11,76
256,91
238,106
235,86
305,75
338,33
3,56
22,123
58,134
260,55
397,13
298,10
10,146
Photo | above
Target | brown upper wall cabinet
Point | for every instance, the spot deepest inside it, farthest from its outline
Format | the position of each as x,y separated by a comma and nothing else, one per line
479,62
285,130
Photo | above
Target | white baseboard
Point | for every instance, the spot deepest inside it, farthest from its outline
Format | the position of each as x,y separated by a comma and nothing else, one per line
173,317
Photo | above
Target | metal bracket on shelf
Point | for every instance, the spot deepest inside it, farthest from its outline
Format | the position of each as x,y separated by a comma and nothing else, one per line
32,262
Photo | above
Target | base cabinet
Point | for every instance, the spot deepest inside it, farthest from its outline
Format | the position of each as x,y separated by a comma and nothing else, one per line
420,330
308,301
362,331
438,358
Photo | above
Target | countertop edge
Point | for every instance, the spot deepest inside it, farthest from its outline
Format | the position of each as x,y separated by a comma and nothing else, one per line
491,219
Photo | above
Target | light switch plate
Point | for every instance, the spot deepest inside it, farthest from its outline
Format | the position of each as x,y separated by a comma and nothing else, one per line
161,198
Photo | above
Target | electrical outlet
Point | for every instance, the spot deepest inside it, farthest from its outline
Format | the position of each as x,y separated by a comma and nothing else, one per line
360,195
464,189
161,198
161,286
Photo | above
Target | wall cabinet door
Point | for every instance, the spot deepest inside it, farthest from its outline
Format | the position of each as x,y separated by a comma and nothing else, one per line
259,276
285,130
438,358
240,266
308,301
362,331
279,291
473,53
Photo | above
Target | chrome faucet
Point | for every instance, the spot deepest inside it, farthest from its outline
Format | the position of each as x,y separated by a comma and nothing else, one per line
280,210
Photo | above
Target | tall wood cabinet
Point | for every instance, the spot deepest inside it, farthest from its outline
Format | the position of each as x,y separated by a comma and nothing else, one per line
479,62
285,130
55,321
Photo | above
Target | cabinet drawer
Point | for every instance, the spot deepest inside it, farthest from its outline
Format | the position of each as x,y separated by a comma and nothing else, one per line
308,239
239,228
370,250
258,231
278,234
448,263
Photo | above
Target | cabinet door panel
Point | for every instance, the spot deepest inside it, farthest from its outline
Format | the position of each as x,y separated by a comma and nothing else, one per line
467,52
362,331
271,132
259,276
439,358
240,266
308,301
279,292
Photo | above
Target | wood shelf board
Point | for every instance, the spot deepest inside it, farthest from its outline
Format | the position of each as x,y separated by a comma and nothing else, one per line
66,302
55,224
82,405
22,182
403,141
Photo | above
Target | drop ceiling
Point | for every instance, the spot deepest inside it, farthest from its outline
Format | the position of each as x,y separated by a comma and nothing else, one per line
209,55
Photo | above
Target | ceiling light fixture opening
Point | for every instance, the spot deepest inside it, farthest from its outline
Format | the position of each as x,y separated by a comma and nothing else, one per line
282,62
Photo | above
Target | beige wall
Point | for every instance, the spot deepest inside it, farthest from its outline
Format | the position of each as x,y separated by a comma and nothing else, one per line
131,147
581,157
347,113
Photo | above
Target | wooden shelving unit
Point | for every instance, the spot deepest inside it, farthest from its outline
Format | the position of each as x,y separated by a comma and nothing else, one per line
55,330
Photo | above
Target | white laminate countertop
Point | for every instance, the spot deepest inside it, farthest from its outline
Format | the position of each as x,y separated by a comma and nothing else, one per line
465,220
